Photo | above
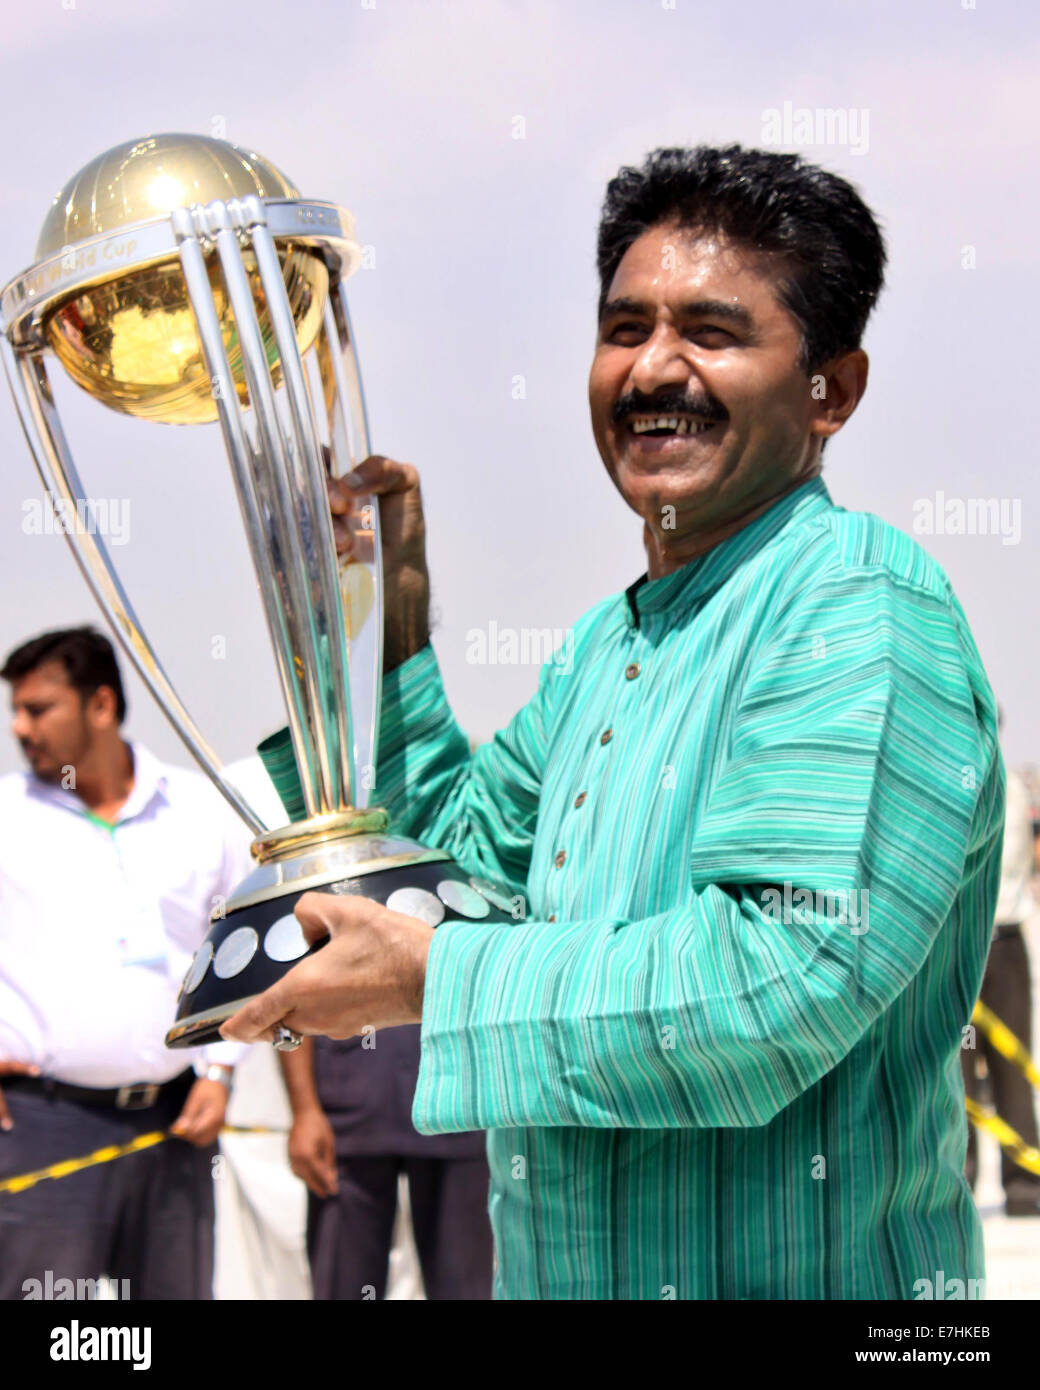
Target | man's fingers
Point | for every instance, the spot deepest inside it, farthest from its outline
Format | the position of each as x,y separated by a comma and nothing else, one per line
13,1069
198,1123
323,1186
326,914
316,1175
184,1123
323,1171
329,1177
311,1174
206,1131
341,496
257,1020
380,475
192,1112
311,914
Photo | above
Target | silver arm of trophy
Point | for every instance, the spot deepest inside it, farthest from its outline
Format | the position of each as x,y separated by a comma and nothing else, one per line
316,635
350,444
27,376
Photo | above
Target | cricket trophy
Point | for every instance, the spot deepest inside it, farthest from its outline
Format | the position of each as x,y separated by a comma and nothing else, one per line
184,280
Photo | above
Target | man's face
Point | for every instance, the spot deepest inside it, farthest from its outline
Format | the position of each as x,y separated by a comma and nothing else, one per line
693,333
50,720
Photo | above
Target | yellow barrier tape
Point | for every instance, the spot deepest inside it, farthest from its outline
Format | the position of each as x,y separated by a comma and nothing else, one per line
998,1033
109,1154
1023,1154
76,1165
1002,1038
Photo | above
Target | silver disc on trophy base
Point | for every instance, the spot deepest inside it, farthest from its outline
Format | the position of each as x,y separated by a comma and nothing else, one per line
285,940
416,902
461,898
496,896
197,969
235,952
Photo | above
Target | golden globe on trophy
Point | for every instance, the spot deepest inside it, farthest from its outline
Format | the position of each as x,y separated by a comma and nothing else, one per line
184,280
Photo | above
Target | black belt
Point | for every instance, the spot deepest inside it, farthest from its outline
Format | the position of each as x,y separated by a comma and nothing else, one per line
142,1095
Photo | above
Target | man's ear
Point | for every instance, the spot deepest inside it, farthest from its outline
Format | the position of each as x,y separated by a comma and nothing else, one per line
100,708
837,389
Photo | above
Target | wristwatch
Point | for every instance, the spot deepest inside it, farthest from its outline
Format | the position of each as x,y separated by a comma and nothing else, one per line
215,1072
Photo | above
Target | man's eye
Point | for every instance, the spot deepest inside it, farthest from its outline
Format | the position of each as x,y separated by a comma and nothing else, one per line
621,329
713,332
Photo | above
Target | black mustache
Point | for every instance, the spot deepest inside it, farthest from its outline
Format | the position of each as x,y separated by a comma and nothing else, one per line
677,403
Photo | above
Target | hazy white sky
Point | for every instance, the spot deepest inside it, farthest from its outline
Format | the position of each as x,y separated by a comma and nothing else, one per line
408,112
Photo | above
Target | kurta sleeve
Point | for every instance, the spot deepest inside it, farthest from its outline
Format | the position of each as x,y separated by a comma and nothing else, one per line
481,808
859,800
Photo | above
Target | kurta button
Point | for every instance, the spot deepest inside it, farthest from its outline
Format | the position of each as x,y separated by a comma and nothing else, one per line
560,858
551,917
631,671
606,735
579,800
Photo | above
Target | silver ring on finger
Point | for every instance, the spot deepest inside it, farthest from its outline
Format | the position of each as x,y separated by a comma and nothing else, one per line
286,1039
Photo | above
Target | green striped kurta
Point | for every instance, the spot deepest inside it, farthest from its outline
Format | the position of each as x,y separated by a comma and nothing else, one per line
756,820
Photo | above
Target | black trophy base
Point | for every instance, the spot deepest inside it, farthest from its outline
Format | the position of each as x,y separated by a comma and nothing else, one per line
253,946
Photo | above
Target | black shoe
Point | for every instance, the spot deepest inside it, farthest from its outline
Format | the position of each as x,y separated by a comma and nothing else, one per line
1023,1206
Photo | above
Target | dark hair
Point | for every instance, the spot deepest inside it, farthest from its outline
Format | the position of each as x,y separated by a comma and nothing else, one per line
828,242
87,656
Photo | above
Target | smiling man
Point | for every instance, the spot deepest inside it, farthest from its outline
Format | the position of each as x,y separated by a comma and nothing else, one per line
757,821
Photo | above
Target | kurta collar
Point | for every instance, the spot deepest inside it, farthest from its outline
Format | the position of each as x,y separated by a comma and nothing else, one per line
708,571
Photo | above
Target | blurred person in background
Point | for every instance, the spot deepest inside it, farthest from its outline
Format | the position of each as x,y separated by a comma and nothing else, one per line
352,1137
110,863
1007,991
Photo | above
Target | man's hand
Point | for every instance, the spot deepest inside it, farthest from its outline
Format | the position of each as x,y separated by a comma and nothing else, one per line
312,1152
406,579
202,1118
371,974
13,1069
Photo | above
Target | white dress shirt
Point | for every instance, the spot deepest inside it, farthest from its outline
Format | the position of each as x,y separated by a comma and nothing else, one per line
98,925
1015,903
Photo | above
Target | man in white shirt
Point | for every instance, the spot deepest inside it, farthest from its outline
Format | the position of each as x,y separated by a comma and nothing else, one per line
110,864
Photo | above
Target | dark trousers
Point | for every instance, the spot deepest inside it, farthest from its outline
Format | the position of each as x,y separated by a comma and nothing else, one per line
146,1218
349,1235
1005,990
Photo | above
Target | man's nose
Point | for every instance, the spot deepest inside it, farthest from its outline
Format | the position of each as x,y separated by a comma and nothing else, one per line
660,361
21,726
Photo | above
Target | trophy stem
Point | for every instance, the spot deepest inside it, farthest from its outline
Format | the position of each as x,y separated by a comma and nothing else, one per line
262,481
364,645
313,513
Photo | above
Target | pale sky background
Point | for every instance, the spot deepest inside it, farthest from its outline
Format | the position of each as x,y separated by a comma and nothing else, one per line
405,111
